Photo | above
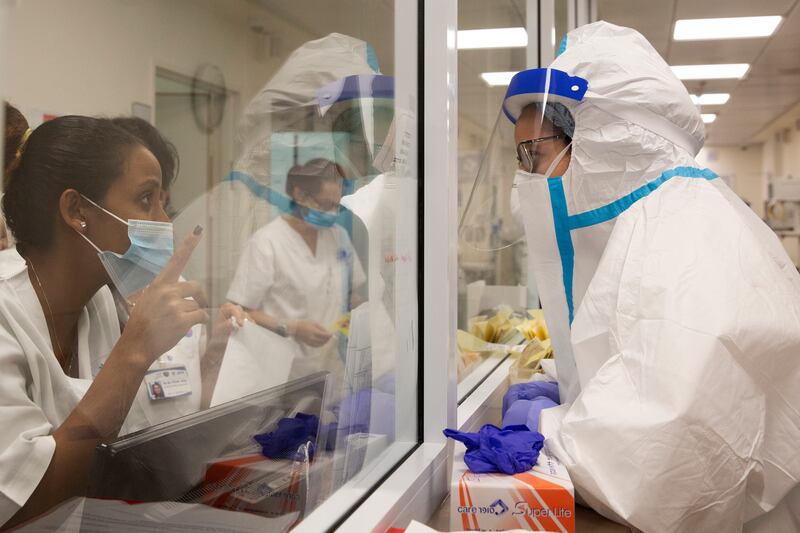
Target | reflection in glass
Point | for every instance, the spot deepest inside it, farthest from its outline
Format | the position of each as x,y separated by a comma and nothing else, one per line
493,267
281,334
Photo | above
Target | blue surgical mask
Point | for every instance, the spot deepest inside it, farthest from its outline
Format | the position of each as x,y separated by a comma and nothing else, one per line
319,219
150,250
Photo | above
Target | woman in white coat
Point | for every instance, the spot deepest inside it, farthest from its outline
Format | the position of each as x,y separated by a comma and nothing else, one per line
68,379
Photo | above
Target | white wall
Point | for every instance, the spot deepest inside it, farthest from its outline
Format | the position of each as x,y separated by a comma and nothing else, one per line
775,154
782,145
98,56
782,158
743,166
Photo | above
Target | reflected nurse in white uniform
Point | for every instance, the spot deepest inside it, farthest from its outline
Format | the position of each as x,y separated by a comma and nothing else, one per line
298,274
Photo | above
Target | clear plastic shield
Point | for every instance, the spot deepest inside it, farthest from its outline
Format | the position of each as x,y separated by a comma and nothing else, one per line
533,127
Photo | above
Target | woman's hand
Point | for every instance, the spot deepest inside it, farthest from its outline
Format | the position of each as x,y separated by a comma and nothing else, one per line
233,311
229,318
308,332
167,308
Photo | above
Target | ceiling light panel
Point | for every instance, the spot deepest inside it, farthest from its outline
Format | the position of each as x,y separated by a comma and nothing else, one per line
492,38
496,79
711,98
711,72
725,28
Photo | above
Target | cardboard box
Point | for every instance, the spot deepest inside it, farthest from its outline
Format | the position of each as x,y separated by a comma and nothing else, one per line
542,499
255,484
268,487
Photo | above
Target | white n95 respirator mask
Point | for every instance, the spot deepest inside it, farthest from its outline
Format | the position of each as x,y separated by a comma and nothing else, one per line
522,176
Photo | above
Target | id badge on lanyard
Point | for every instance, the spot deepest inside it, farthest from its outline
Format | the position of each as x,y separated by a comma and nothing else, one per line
167,379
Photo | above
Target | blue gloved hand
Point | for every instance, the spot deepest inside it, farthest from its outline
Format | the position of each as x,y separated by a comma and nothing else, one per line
368,411
512,450
365,411
530,391
527,412
290,434
386,383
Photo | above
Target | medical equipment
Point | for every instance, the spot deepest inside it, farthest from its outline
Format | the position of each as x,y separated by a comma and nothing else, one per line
540,499
167,461
510,450
783,212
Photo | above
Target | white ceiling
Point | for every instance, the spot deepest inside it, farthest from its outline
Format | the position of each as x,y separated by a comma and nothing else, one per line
479,104
369,20
770,88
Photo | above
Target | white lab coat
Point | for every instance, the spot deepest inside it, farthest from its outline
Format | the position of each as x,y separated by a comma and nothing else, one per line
36,396
278,275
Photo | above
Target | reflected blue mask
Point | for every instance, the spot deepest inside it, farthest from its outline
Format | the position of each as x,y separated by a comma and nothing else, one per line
150,249
319,219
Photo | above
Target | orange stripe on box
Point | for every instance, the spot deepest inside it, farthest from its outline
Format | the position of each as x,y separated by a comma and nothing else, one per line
534,526
537,482
527,494
554,495
469,499
464,519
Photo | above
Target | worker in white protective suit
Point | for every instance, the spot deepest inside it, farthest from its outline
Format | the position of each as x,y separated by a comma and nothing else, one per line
329,103
674,311
287,104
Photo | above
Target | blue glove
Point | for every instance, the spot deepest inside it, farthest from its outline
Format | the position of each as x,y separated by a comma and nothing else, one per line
385,383
512,450
365,411
527,412
530,391
368,411
290,434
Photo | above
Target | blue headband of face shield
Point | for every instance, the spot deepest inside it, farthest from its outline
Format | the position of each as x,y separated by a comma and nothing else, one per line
361,106
548,86
355,87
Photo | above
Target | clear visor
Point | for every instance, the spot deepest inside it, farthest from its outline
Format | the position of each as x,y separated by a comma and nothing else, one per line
532,147
359,111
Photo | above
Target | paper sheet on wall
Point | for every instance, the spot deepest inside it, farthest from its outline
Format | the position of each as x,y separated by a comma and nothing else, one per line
255,359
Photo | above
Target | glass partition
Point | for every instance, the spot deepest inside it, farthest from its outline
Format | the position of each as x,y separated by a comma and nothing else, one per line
496,299
212,258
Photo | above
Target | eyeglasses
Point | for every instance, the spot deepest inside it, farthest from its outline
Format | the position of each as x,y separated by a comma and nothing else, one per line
526,155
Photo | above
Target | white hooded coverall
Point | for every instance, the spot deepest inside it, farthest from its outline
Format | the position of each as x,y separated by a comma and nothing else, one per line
686,329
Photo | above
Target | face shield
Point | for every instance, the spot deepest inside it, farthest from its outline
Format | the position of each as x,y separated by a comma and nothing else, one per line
531,139
359,112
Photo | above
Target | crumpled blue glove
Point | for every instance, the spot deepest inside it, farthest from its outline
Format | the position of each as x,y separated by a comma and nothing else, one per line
527,412
290,434
530,391
511,450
